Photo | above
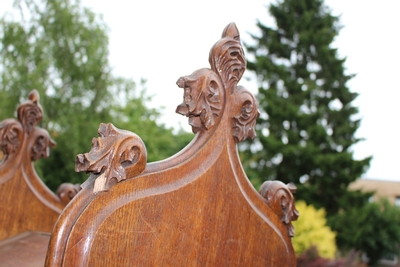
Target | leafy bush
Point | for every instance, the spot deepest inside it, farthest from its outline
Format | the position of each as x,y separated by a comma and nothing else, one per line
311,230
373,228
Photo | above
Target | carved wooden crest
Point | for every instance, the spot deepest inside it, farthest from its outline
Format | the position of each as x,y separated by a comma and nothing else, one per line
22,138
207,91
198,205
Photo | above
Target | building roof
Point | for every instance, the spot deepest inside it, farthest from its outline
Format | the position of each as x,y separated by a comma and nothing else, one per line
382,188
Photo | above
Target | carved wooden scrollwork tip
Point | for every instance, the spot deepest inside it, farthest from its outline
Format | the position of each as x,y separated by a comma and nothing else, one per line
115,155
279,197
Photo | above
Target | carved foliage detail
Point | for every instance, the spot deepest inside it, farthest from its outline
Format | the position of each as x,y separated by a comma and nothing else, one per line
201,98
227,57
206,91
279,198
244,123
11,134
115,155
30,112
14,133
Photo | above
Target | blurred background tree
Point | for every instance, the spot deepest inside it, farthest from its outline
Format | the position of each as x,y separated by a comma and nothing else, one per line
373,228
308,121
307,125
60,48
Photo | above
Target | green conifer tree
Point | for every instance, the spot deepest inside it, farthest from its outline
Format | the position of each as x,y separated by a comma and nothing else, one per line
308,121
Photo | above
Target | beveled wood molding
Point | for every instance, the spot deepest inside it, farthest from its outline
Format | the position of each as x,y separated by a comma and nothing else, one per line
197,205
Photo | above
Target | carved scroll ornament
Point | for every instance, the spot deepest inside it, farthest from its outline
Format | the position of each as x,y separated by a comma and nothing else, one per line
202,98
115,156
208,93
67,191
279,197
14,134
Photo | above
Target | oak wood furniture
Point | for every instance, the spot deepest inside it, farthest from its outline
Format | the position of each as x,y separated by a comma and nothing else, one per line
28,209
196,208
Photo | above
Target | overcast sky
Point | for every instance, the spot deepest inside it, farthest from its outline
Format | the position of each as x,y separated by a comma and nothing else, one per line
163,40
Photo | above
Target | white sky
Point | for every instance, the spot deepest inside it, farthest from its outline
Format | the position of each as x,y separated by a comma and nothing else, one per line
162,40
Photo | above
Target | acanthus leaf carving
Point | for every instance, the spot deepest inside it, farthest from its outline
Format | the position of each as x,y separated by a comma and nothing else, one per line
30,113
42,144
227,57
208,93
11,134
115,155
202,99
279,197
244,123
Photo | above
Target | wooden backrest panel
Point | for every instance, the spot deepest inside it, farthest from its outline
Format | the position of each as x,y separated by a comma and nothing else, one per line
196,208
26,203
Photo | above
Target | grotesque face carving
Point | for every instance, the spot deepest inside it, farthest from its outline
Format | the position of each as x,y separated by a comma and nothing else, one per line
201,98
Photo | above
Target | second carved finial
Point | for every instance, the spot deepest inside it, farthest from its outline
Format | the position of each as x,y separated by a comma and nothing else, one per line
115,155
279,197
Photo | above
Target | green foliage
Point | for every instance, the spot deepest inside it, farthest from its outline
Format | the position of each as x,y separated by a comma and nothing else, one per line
61,49
373,228
311,230
307,126
308,122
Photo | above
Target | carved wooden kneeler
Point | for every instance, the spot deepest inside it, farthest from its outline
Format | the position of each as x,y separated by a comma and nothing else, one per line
196,208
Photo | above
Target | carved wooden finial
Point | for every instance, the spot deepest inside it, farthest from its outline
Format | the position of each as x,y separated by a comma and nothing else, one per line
67,191
14,134
115,155
209,93
279,198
